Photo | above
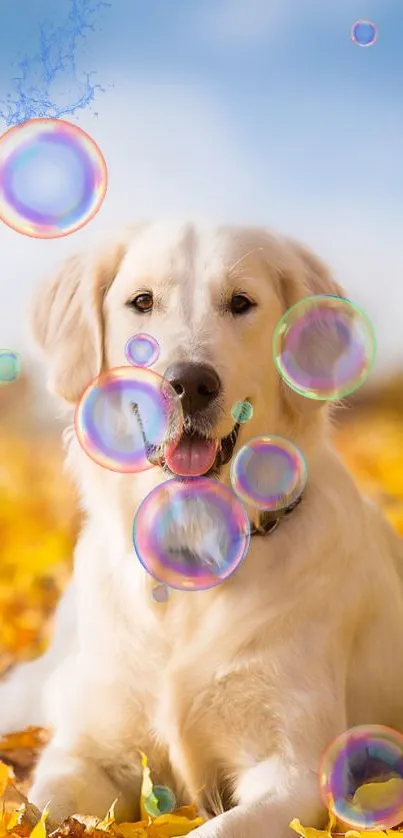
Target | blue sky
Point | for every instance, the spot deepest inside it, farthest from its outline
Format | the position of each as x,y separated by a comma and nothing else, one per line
236,110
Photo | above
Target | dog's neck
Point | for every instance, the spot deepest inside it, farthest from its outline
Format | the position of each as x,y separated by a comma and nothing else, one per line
267,522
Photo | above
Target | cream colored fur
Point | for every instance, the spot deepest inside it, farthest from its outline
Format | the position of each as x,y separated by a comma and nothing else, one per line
234,692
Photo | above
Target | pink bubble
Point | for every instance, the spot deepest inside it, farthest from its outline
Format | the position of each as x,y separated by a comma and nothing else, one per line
191,534
126,418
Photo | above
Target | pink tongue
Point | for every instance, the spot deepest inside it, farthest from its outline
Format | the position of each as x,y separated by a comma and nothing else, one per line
191,456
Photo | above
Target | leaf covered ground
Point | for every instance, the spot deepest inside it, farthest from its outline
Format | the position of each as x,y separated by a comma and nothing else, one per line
38,527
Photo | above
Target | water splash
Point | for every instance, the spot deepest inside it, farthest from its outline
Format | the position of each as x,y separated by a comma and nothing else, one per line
49,83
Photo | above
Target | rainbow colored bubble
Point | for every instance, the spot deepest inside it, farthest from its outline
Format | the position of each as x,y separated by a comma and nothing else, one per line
142,350
324,347
191,534
361,777
126,417
53,178
269,473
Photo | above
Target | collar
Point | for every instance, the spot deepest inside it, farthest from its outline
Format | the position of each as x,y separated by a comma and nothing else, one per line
269,521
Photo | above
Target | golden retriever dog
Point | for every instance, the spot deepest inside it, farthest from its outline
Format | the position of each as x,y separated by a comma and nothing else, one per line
234,692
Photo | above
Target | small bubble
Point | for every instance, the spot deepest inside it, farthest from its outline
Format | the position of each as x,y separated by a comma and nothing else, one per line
162,801
364,33
160,593
10,366
142,350
241,412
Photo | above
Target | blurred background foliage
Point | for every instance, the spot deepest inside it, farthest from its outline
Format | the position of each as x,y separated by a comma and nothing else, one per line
39,516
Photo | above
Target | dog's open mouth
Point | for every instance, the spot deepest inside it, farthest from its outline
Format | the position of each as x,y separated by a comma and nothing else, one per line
195,455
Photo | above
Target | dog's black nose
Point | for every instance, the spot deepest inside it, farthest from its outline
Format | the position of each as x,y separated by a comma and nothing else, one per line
197,385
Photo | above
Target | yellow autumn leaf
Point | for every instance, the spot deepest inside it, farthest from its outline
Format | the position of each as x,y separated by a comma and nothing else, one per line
172,826
308,831
189,812
131,830
376,796
39,831
30,739
5,777
147,789
109,819
166,826
8,820
356,833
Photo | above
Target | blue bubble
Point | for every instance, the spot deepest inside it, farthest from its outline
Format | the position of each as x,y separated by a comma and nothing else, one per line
10,366
364,33
242,412
160,802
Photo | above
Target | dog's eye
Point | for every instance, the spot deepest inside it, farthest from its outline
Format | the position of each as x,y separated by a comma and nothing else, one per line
240,304
143,302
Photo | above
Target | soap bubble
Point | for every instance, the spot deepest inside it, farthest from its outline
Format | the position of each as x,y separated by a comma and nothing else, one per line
361,777
269,473
53,178
160,593
160,802
324,347
364,33
241,412
126,417
10,366
191,534
142,350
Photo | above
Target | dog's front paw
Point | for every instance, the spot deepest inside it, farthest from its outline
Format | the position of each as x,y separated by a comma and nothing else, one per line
58,795
77,787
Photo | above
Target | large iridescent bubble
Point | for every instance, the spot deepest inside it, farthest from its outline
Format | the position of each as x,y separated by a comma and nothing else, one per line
127,417
324,347
53,178
361,777
269,473
191,534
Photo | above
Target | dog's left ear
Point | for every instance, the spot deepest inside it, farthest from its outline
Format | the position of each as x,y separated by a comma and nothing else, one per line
66,316
307,276
304,276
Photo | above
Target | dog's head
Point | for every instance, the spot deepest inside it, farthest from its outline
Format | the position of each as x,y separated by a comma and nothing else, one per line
212,301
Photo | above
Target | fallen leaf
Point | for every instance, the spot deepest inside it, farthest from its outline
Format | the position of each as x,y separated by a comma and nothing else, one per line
147,789
39,831
378,796
308,831
6,776
29,739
